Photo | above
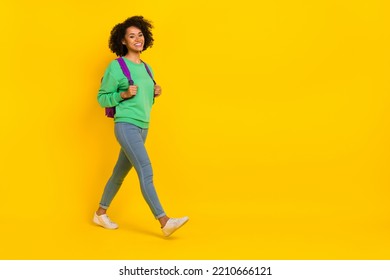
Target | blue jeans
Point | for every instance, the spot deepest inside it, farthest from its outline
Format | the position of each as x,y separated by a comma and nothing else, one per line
133,153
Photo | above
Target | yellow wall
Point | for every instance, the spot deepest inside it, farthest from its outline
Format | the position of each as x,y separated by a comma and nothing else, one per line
272,132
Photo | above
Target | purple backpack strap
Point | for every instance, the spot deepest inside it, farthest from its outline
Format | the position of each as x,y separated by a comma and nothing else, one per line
148,70
125,70
110,111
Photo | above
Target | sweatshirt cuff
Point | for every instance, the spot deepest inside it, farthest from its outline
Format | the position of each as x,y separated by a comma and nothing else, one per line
117,97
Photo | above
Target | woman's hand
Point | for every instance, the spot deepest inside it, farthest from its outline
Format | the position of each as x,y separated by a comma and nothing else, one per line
130,92
157,90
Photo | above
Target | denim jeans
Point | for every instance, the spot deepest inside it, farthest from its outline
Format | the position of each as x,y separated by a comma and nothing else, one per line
133,153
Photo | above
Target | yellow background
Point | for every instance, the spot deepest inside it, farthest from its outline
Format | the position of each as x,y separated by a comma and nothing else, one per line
272,132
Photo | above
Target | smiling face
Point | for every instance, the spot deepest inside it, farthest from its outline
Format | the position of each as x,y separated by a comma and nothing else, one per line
134,39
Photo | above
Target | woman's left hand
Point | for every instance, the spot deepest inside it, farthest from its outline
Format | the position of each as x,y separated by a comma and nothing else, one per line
157,90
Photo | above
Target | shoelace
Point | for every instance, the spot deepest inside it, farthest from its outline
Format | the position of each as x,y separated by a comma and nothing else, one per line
175,221
107,220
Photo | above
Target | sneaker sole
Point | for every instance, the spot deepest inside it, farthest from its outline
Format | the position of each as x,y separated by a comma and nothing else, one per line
96,222
177,228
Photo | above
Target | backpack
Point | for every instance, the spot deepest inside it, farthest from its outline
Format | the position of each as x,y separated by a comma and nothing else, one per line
110,111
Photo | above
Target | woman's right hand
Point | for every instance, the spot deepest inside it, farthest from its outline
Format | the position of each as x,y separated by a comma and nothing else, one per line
130,92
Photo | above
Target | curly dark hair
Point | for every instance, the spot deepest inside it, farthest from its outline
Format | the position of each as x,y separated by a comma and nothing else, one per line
119,32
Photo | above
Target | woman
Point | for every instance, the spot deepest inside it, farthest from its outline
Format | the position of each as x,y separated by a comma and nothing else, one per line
133,105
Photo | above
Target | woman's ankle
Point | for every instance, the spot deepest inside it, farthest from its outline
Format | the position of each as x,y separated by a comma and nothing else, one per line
163,220
101,211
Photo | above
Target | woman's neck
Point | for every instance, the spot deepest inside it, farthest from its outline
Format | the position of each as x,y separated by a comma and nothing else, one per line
134,57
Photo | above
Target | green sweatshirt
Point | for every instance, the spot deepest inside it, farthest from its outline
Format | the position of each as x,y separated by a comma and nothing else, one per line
135,110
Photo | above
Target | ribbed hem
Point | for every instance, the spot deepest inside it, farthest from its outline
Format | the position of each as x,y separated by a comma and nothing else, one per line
138,123
117,96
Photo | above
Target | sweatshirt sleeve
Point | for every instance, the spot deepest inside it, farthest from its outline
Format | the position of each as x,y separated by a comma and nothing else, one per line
109,94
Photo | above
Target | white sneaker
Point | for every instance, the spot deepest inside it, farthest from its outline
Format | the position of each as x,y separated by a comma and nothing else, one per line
173,224
104,221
